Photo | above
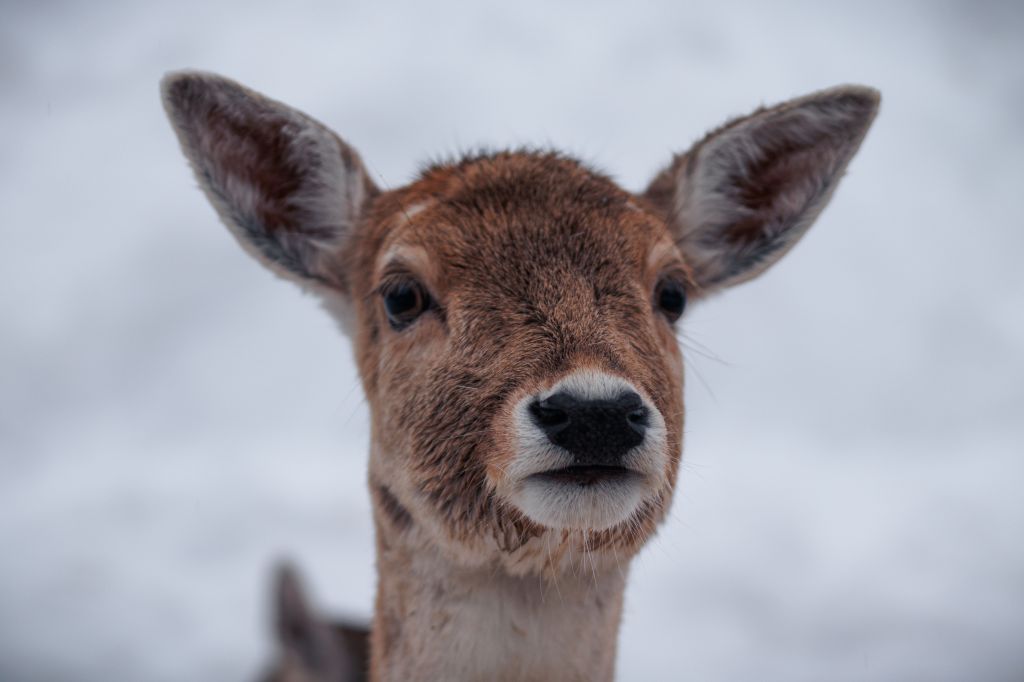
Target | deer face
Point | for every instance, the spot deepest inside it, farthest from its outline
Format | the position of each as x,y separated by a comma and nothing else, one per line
522,371
514,314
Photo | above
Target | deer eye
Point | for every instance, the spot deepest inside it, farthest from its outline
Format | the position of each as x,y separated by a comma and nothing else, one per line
405,301
670,298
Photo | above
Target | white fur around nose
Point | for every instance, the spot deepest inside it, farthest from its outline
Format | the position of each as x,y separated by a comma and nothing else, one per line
595,507
592,385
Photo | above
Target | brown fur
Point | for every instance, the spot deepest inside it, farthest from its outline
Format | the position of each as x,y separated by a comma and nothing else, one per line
539,268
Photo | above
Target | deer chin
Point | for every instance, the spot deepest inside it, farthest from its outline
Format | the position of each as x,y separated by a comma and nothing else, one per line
582,498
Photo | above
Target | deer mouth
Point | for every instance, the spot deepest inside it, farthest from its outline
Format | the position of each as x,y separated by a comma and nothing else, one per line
588,497
586,475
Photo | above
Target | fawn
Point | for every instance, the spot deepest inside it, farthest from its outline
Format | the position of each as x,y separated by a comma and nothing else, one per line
513,319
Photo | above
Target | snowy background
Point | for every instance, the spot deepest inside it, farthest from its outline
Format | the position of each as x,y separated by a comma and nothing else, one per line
173,418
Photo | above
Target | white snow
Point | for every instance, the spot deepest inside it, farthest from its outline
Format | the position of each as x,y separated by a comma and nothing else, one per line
172,418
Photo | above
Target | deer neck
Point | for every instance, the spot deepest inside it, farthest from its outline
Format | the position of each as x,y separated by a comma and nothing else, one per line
436,619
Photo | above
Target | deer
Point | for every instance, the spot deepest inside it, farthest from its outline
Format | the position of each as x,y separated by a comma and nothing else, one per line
513,315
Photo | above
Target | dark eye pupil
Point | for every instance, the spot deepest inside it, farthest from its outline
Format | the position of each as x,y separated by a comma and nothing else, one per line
400,301
404,303
672,299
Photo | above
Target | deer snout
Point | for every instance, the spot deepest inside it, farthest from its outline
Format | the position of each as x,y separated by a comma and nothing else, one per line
587,451
595,432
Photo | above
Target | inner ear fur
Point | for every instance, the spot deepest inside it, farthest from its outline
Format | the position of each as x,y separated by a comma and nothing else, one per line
742,196
288,188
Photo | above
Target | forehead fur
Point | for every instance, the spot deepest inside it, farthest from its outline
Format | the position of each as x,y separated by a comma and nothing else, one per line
488,171
514,208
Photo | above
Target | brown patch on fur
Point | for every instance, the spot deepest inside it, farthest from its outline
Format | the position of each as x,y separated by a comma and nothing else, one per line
512,530
391,508
262,151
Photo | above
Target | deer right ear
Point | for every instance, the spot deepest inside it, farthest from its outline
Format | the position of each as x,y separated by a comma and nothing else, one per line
287,187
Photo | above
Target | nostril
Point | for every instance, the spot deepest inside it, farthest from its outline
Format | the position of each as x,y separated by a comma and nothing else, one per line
638,418
549,416
632,405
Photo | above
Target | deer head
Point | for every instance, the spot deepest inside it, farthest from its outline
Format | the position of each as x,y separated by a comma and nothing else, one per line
513,314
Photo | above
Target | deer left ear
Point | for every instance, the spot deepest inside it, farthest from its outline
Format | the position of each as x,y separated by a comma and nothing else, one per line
746,193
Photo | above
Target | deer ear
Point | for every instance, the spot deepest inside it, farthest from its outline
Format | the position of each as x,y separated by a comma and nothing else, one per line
292,612
286,186
304,639
746,193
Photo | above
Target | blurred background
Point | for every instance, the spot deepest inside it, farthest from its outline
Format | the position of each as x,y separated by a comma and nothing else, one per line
173,418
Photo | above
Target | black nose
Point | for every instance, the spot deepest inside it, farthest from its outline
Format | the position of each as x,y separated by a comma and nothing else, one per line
596,432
